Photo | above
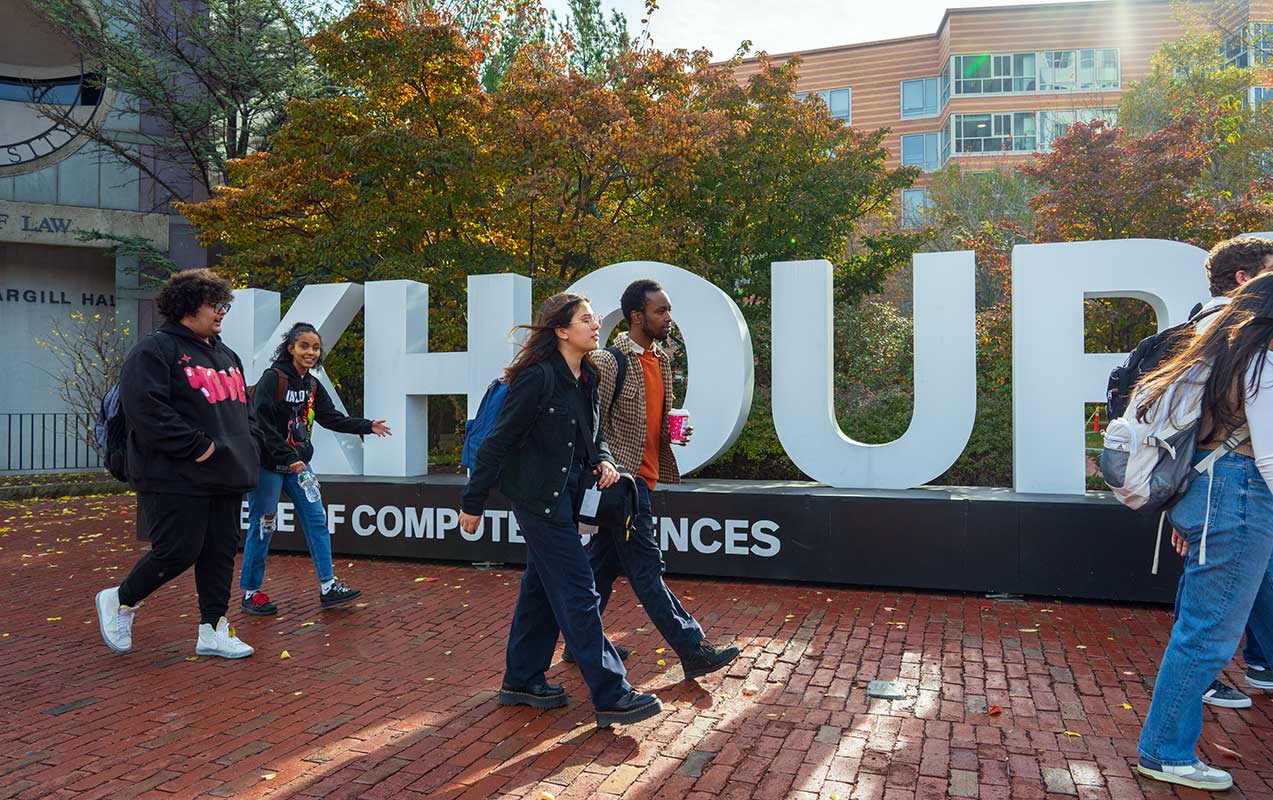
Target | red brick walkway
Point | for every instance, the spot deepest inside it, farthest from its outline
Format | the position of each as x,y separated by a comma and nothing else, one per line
396,698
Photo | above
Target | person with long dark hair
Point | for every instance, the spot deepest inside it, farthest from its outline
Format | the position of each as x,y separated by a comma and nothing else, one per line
537,453
288,400
1226,519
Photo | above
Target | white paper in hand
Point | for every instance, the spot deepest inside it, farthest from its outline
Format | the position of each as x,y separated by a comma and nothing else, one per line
591,500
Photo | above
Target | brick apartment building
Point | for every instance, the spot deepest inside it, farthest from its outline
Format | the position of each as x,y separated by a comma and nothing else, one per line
995,84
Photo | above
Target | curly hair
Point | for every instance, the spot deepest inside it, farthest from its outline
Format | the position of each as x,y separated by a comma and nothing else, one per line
283,351
189,289
1244,253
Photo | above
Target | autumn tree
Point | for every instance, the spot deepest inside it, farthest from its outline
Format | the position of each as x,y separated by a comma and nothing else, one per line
211,79
1191,78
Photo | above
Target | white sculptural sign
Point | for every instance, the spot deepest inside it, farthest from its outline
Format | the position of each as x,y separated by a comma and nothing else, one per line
1052,376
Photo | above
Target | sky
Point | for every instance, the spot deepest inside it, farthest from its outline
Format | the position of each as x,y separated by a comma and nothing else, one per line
782,27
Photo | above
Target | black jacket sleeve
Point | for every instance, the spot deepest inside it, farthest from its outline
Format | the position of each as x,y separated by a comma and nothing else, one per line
271,422
145,382
521,409
326,414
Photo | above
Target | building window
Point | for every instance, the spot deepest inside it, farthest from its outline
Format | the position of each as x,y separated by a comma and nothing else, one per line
921,150
1055,124
915,205
1259,94
920,98
1250,45
995,133
1047,71
839,102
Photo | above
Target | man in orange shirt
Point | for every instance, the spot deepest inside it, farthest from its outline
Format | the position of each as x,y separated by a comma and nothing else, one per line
635,426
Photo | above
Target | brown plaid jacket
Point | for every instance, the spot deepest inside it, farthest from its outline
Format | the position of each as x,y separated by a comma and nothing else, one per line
625,428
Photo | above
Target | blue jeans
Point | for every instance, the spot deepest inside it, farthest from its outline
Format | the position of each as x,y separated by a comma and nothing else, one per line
1215,601
640,559
313,521
558,595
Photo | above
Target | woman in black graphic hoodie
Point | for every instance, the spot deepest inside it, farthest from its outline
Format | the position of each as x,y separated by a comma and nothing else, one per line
288,400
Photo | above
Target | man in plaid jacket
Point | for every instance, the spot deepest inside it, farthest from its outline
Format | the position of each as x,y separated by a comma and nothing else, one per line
635,426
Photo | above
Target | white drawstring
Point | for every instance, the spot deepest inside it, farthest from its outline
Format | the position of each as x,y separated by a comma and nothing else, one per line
1158,542
1206,520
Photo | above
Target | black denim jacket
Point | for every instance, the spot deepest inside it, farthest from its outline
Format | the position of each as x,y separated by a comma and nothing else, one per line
531,448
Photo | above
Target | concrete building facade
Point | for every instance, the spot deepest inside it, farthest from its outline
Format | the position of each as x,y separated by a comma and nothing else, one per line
55,184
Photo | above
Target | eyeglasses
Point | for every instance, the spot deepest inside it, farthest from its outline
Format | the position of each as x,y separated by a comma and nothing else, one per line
586,319
221,308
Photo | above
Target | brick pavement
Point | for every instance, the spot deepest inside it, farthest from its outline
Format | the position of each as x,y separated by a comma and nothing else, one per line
396,699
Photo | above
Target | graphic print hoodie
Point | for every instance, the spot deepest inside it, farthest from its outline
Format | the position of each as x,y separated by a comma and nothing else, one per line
180,394
286,415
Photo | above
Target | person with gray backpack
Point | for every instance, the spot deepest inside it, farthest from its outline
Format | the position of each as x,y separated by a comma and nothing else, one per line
1230,264
1197,441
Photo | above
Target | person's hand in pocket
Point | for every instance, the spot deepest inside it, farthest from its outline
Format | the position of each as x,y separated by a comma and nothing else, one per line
212,448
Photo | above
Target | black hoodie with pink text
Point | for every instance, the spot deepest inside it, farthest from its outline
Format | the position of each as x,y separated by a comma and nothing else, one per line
180,394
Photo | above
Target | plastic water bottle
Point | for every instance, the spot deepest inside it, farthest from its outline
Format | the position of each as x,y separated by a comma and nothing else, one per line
310,484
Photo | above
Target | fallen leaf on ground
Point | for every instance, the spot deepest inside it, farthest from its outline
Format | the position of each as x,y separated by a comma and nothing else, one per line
1226,751
661,663
1127,706
994,710
306,624
52,619
192,658
1027,630
1072,733
284,654
660,650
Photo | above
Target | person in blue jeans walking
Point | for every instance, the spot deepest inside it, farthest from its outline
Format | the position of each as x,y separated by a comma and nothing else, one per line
1226,521
1230,264
634,419
288,400
537,454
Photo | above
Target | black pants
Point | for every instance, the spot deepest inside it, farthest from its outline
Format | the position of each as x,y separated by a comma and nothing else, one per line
186,531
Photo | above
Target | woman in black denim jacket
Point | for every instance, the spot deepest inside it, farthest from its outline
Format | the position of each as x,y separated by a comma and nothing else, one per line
537,453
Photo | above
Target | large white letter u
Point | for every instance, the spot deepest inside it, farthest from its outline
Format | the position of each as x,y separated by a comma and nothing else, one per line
945,377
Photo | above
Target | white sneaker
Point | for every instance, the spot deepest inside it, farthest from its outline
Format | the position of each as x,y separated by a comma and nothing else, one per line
115,621
1196,775
220,641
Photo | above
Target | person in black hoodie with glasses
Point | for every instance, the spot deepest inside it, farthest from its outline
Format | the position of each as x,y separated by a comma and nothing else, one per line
288,400
192,453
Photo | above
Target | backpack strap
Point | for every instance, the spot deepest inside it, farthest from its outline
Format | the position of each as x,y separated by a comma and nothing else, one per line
280,394
621,372
546,393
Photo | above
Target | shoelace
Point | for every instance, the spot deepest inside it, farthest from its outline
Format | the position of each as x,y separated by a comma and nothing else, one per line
338,587
124,622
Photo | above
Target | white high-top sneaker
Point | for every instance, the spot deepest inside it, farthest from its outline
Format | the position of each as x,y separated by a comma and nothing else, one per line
115,621
220,641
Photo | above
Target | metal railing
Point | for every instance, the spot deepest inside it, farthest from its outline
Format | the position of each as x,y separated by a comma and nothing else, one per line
46,441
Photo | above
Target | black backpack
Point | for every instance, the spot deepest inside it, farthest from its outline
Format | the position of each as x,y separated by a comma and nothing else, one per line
1148,354
111,431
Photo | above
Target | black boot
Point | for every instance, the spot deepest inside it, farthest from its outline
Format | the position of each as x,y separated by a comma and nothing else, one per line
632,707
706,658
569,657
544,695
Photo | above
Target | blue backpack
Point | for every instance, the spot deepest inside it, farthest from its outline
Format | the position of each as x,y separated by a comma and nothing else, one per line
477,429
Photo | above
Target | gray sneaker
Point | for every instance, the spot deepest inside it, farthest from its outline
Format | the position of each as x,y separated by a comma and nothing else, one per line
1225,696
1259,677
1196,775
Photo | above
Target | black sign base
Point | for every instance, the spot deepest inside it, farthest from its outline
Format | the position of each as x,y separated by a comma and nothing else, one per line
953,539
